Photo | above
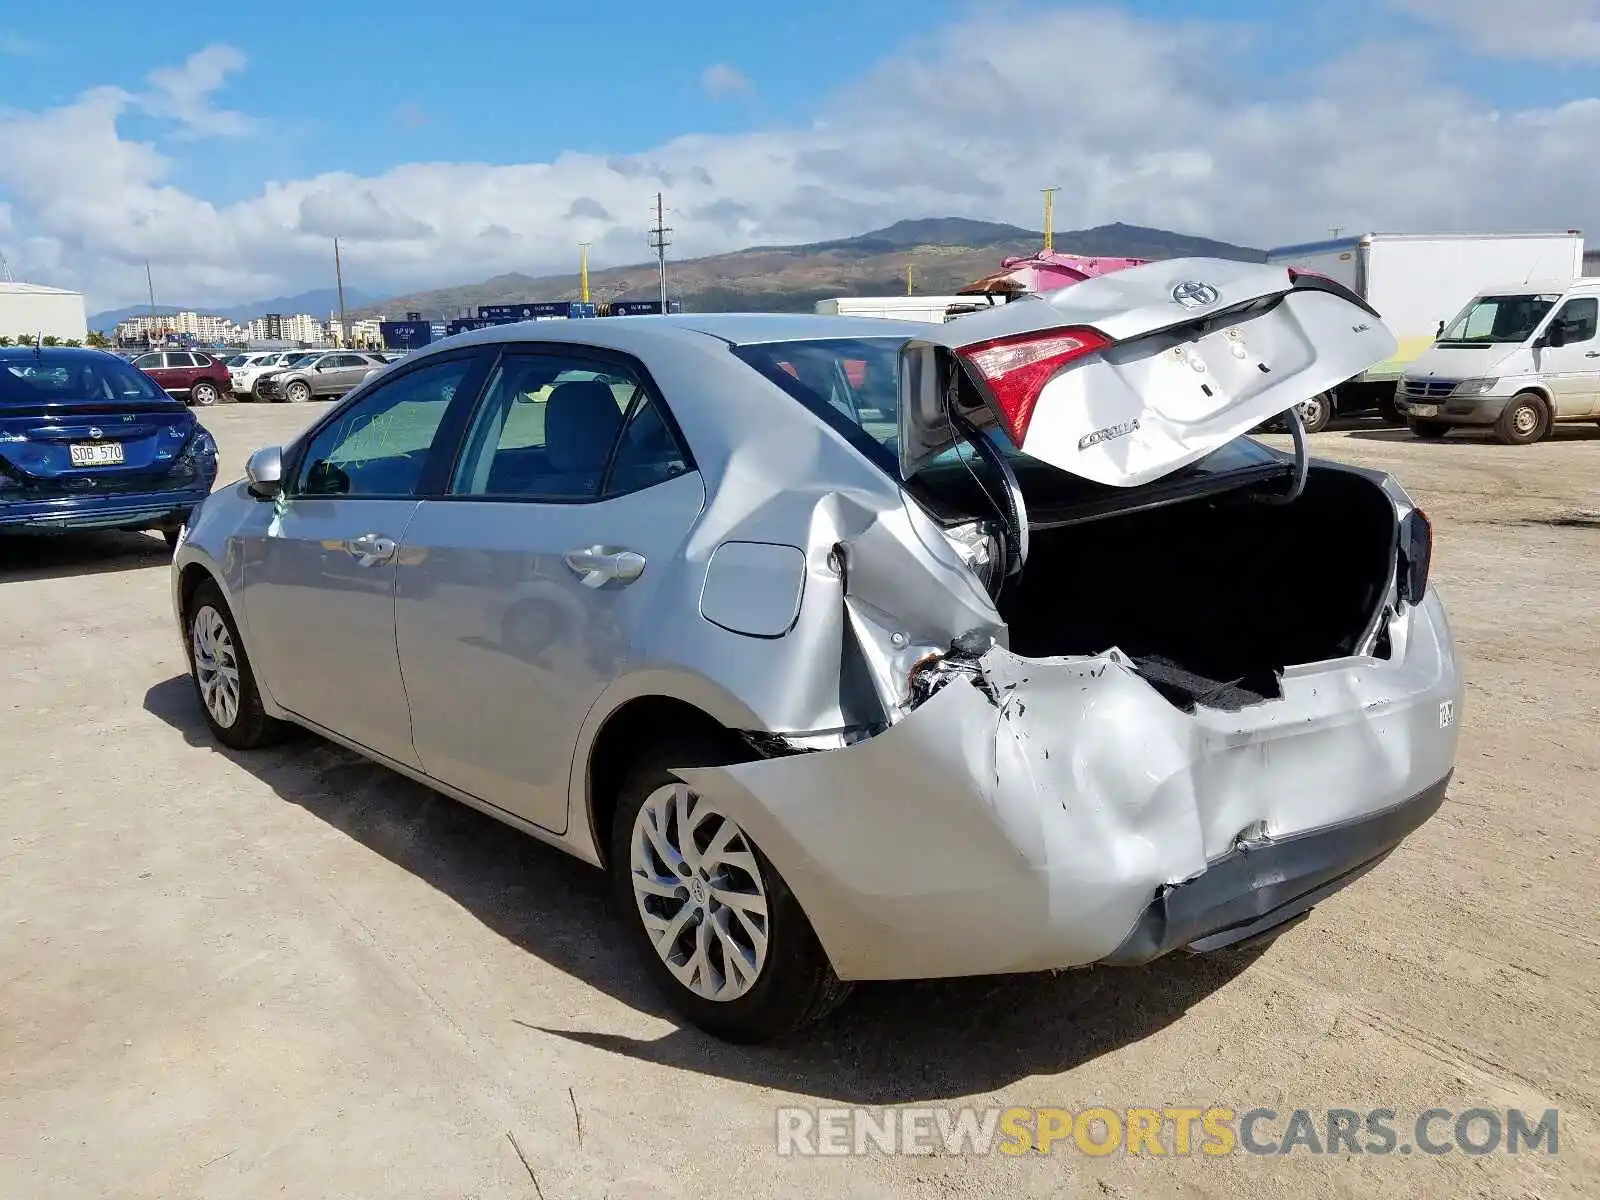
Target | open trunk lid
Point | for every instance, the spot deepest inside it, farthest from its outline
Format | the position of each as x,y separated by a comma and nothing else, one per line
1130,376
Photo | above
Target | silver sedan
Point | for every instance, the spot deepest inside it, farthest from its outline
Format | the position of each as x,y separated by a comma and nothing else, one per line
856,649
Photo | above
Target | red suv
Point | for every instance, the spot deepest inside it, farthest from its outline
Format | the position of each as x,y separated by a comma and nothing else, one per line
187,374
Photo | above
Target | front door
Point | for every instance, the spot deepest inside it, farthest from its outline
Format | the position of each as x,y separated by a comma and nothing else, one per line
1572,369
320,575
520,590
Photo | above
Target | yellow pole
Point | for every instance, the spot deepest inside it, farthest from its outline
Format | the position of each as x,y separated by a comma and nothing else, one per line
583,273
908,279
1049,217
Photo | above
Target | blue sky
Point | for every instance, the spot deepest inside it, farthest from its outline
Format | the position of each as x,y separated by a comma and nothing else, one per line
375,117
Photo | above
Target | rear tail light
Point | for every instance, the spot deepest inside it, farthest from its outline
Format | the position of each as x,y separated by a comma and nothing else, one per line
1416,555
1296,275
1017,368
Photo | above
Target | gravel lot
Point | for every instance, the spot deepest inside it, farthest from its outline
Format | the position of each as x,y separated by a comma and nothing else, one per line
295,973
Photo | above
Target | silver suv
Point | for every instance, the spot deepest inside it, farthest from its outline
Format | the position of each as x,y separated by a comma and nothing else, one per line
330,374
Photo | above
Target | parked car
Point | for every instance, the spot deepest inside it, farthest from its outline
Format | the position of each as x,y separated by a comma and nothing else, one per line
1517,359
88,442
242,376
188,374
318,376
964,659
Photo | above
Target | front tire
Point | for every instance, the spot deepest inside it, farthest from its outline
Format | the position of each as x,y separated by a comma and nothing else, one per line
1524,421
297,393
223,679
718,930
204,394
1428,431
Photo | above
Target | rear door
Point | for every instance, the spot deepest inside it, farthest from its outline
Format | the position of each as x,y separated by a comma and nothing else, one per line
520,590
1130,376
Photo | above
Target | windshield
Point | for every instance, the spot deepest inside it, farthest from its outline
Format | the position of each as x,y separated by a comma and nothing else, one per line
853,385
30,380
1498,320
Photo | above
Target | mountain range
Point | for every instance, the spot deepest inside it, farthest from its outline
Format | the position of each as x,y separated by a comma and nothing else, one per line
319,302
941,253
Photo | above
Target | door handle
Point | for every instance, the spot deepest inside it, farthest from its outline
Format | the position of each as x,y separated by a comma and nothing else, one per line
370,549
596,566
1591,353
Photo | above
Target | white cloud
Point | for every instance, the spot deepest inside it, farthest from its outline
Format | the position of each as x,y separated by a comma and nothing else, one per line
1156,123
720,80
183,94
1548,30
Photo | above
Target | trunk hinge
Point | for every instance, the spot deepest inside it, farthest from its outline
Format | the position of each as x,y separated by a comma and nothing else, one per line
1302,460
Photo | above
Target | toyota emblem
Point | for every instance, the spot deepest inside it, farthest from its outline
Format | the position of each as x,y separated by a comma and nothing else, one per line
1191,293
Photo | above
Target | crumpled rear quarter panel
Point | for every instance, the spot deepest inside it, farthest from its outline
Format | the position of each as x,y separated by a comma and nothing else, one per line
1028,828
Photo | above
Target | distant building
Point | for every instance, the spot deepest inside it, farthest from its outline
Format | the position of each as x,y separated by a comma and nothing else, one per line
39,311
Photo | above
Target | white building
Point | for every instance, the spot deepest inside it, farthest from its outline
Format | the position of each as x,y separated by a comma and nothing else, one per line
39,311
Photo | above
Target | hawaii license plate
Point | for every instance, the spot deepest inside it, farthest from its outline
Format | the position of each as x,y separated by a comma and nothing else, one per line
96,454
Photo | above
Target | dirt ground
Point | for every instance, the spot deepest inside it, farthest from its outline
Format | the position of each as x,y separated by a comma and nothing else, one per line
294,973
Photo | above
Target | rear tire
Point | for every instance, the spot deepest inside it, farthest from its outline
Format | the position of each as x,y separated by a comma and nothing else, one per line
224,682
1525,420
204,394
786,981
1317,412
1428,431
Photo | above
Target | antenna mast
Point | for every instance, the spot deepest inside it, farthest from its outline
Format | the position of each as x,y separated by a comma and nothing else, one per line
659,243
1049,217
5,269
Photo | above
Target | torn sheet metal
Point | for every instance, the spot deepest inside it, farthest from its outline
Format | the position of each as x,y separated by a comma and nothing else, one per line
1024,820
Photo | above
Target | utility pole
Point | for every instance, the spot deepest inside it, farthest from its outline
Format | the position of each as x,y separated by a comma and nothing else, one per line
583,273
1049,217
1335,230
150,288
908,279
659,243
5,270
338,275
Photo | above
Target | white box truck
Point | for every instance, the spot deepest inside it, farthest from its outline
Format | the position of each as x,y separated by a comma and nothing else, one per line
894,308
1416,282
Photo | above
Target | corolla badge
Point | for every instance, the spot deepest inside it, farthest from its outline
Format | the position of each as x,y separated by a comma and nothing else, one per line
1191,293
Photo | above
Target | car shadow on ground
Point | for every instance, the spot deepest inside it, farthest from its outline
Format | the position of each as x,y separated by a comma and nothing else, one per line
1476,436
25,557
889,1044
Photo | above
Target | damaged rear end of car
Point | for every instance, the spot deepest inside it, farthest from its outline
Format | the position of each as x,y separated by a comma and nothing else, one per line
1125,681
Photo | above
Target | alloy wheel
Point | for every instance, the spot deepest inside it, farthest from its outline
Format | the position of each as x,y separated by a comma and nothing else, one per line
699,893
298,393
204,394
216,665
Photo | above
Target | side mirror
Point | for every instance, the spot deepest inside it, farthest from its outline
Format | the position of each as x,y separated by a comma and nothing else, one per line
1556,335
264,472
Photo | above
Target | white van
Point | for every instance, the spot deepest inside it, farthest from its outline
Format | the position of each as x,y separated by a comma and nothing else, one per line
1519,358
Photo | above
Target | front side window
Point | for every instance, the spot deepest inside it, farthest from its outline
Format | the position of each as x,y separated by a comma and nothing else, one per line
559,427
146,362
378,446
1579,319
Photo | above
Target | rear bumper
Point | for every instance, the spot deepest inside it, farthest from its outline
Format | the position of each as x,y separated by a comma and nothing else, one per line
146,510
1256,889
1064,813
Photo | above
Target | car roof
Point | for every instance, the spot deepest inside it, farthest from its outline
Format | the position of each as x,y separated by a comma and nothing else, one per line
645,332
54,354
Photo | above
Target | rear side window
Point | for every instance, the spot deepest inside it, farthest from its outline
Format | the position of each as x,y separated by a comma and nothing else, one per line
26,381
851,383
562,427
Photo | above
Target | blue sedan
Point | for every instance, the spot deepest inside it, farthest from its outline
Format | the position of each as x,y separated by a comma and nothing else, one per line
88,441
